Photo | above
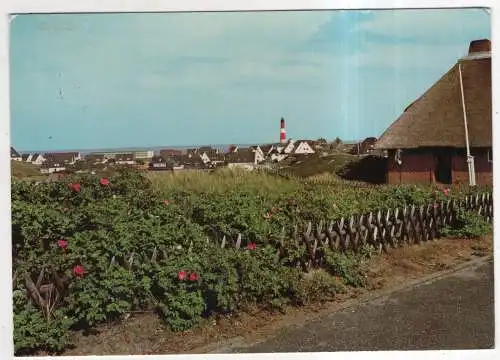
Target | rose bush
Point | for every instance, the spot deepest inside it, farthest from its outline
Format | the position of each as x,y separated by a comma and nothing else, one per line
116,244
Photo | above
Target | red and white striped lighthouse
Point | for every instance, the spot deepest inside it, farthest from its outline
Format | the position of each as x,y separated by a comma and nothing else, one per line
282,131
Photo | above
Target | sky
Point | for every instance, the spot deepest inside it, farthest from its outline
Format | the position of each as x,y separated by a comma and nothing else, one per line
86,81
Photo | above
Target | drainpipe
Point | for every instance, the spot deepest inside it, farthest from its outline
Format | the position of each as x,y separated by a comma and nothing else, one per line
470,158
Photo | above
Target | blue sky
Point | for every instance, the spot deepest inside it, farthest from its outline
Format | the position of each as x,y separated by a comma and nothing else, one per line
122,80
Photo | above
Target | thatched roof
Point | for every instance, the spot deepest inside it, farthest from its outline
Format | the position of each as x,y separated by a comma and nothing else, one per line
94,157
241,156
14,153
61,156
170,152
217,157
52,164
436,118
157,159
266,148
187,159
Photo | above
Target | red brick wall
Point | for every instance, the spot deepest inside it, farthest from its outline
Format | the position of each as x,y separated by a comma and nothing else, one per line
418,167
415,168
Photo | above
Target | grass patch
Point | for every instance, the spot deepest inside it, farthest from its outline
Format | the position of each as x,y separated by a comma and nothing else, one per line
219,181
21,170
316,164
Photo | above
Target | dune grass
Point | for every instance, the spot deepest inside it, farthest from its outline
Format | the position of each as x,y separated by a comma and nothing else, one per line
220,181
22,170
316,165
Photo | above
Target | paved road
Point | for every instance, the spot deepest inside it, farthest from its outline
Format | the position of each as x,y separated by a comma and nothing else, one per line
455,312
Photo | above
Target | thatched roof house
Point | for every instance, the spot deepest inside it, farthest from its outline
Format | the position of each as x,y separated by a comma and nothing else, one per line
364,147
439,112
242,156
432,131
63,157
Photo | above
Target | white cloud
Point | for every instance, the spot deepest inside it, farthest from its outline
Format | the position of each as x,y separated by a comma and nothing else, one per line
437,25
155,47
259,48
406,40
410,56
307,70
258,44
236,35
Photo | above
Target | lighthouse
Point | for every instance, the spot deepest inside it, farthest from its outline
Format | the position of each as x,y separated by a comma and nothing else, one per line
282,131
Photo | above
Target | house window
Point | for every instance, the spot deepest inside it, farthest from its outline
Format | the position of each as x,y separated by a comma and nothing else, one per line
490,155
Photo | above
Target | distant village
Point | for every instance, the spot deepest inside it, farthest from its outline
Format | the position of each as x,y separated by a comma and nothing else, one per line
200,158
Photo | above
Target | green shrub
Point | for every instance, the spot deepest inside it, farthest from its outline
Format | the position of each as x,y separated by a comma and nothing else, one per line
34,330
221,281
467,224
263,280
319,285
347,266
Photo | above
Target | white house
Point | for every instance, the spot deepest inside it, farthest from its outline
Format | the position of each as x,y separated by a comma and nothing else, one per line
159,166
50,167
259,154
14,155
106,154
302,147
277,156
95,159
125,159
243,158
279,152
63,157
159,163
204,157
214,159
187,161
286,148
144,154
266,149
37,159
